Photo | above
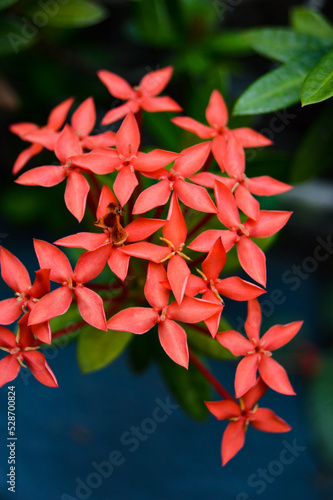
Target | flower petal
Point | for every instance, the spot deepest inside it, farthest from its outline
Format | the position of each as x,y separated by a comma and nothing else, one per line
192,159
178,273
90,306
42,332
251,397
118,262
84,118
46,176
194,197
128,137
223,410
247,203
228,212
10,310
265,420
246,372
156,294
154,196
249,138
155,104
154,82
154,160
219,149
193,126
237,289
252,259
117,86
119,112
269,222
103,140
67,145
174,341
206,240
275,376
192,310
133,319
9,369
217,112
13,272
233,440
91,264
58,114
7,338
175,230
51,257
141,228
25,156
215,261
76,192
149,251
125,184
234,162
54,304
253,320
279,335
267,186
88,241
40,369
234,342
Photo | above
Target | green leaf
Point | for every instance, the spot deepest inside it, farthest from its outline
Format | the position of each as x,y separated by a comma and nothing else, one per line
282,44
96,348
206,345
229,42
6,3
189,387
318,85
13,38
315,152
279,88
311,22
72,14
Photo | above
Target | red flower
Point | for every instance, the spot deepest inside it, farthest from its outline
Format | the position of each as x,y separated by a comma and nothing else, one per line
126,159
239,184
143,96
240,416
47,134
57,302
114,234
217,117
171,335
20,349
17,278
193,196
212,287
83,122
77,186
251,257
257,352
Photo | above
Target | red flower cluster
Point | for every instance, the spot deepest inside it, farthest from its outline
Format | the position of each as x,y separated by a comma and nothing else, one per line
175,288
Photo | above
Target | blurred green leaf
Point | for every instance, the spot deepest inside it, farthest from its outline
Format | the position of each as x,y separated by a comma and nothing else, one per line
229,43
206,345
6,3
315,152
279,88
72,14
16,35
311,22
154,23
96,348
282,44
318,85
141,351
189,387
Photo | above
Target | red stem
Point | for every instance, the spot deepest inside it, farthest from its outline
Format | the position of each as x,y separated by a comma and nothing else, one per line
200,224
207,163
210,377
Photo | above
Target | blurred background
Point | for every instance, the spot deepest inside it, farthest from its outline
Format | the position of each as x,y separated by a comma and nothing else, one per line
54,51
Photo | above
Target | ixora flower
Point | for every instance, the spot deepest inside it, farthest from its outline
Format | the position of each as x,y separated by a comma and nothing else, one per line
83,122
241,416
77,186
26,297
143,96
251,257
46,136
126,159
217,117
257,352
109,214
171,335
22,349
212,287
57,302
192,196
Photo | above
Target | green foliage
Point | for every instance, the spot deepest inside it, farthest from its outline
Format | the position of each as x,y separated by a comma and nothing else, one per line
306,50
12,39
206,345
189,387
318,85
96,349
6,3
315,152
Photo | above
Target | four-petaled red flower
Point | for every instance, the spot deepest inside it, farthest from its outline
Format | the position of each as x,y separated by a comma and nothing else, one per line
89,265
257,352
21,348
240,416
143,96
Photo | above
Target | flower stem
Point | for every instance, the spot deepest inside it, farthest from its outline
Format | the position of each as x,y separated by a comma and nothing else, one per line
200,224
210,377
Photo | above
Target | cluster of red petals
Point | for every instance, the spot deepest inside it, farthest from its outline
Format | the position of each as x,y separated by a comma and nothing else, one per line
177,291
